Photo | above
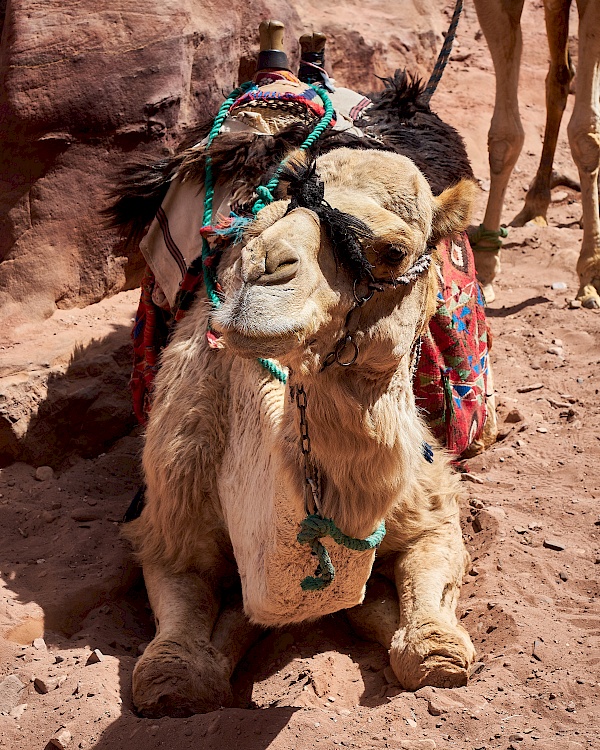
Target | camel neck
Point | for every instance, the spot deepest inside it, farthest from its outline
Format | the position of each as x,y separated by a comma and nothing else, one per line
365,440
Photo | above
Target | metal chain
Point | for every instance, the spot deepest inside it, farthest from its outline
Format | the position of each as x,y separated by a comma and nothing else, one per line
312,482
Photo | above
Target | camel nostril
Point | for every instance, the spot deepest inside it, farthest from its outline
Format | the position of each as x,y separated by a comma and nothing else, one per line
281,264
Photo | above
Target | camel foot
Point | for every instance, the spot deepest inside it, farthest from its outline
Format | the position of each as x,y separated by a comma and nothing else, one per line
170,680
489,295
432,654
590,295
530,216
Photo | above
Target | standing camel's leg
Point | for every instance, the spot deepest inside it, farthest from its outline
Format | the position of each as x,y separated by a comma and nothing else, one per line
181,672
500,22
584,137
557,90
430,647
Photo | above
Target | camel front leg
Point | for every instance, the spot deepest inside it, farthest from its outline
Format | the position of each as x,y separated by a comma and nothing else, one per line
430,647
584,138
181,672
557,90
500,23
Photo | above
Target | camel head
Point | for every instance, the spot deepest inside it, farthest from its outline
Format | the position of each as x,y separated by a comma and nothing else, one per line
353,219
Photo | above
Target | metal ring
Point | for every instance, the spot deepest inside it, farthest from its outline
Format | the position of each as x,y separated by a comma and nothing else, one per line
361,300
340,348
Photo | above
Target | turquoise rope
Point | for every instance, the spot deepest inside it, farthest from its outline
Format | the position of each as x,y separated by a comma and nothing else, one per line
312,529
264,192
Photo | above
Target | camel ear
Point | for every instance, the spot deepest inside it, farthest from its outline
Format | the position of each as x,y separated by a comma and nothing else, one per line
452,210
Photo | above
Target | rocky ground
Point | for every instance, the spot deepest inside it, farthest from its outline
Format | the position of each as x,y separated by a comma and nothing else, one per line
531,520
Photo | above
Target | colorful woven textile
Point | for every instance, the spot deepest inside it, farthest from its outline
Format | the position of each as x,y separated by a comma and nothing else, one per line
450,381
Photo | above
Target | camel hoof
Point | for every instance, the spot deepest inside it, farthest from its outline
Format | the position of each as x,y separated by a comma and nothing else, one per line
589,295
170,680
489,295
432,654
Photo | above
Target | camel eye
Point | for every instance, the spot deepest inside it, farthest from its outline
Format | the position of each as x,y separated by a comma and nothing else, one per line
394,255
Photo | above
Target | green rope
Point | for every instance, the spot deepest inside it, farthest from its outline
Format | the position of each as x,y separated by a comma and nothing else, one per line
312,529
264,192
492,237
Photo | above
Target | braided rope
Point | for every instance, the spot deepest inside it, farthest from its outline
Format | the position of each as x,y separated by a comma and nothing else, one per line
442,60
314,528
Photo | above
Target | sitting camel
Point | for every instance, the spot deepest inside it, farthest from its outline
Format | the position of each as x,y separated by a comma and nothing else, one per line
500,23
285,490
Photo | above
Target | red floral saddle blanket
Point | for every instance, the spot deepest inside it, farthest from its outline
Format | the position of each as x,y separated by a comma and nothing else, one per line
450,382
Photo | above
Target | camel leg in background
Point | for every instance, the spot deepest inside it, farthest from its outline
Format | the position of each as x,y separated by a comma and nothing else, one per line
557,90
500,22
584,138
181,672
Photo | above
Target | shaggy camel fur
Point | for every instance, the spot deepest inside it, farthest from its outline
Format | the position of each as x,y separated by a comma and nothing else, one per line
223,462
500,23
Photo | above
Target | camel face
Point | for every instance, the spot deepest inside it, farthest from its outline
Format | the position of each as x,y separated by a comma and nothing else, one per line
289,287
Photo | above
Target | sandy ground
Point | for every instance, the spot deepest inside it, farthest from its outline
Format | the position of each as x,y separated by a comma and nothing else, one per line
531,522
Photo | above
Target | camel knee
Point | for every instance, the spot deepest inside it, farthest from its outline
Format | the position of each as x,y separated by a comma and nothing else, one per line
504,147
585,148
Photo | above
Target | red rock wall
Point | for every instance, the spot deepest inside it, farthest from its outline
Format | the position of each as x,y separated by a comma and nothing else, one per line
84,84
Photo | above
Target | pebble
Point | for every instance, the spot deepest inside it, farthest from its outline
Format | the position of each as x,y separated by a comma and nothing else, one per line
61,739
517,737
557,342
556,350
520,529
563,576
554,544
95,657
49,517
85,514
559,195
543,430
39,644
538,650
10,690
514,415
529,388
44,473
570,706
534,526
574,304
46,684
559,286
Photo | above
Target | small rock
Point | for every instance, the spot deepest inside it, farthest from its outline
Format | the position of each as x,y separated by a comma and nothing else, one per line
477,525
557,197
476,668
570,706
95,657
517,737
10,689
44,473
574,304
554,544
61,739
85,514
529,388
58,659
46,684
49,517
557,342
556,350
18,711
520,529
563,576
474,572
514,415
331,698
538,652
534,526
552,696
559,286
543,430
39,644
476,503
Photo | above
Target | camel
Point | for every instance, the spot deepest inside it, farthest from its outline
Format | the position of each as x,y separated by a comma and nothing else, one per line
500,23
284,446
